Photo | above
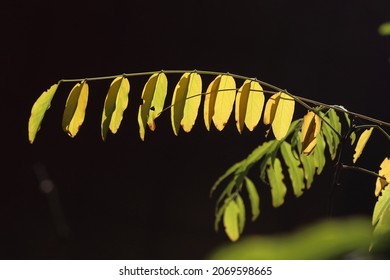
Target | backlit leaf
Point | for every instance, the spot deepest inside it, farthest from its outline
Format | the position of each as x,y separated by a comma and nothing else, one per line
293,163
311,126
270,109
241,213
185,102
381,215
249,105
75,107
153,96
230,221
114,105
384,172
308,163
319,154
361,143
38,111
253,197
275,177
332,139
219,101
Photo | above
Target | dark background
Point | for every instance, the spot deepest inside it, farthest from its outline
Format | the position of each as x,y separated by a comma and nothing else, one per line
128,199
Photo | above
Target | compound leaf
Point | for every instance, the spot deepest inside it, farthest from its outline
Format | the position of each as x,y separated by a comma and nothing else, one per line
185,102
361,143
153,97
41,105
249,105
114,105
75,107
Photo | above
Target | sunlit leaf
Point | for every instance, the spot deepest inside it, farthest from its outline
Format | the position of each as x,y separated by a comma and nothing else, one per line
293,163
275,177
185,102
38,111
230,220
270,109
381,215
153,97
114,105
75,107
362,143
311,126
241,213
219,101
249,105
334,120
253,198
384,172
319,154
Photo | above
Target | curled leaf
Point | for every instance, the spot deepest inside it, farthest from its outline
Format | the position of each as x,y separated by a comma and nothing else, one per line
75,107
38,111
311,126
114,105
362,143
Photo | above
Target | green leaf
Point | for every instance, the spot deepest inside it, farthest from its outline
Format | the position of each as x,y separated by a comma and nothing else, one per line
381,215
332,139
308,163
249,105
253,197
38,111
275,177
231,220
75,107
296,173
153,96
228,172
114,105
361,143
319,154
241,213
185,102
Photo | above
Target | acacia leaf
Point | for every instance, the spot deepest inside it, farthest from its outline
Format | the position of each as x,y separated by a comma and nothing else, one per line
275,177
75,107
209,101
295,171
41,105
319,154
220,101
241,213
361,143
231,220
153,97
270,109
381,214
254,198
311,126
114,105
185,102
384,171
249,105
332,139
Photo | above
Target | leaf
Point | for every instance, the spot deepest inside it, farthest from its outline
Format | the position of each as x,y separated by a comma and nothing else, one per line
319,154
311,126
335,120
185,102
332,139
253,197
41,105
249,105
75,107
381,215
227,173
153,96
114,105
384,172
219,101
362,143
296,173
230,220
241,213
279,112
275,177
308,163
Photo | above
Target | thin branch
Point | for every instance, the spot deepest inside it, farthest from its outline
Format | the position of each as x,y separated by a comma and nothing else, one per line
361,169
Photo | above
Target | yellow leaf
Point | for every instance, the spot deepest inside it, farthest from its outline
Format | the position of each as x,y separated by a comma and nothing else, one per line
311,126
249,105
270,109
231,221
75,107
114,105
362,143
384,172
153,96
38,111
185,102
219,101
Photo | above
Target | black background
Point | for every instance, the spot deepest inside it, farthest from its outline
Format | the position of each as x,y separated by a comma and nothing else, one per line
128,199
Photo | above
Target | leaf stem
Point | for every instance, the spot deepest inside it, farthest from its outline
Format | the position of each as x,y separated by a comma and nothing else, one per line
363,170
